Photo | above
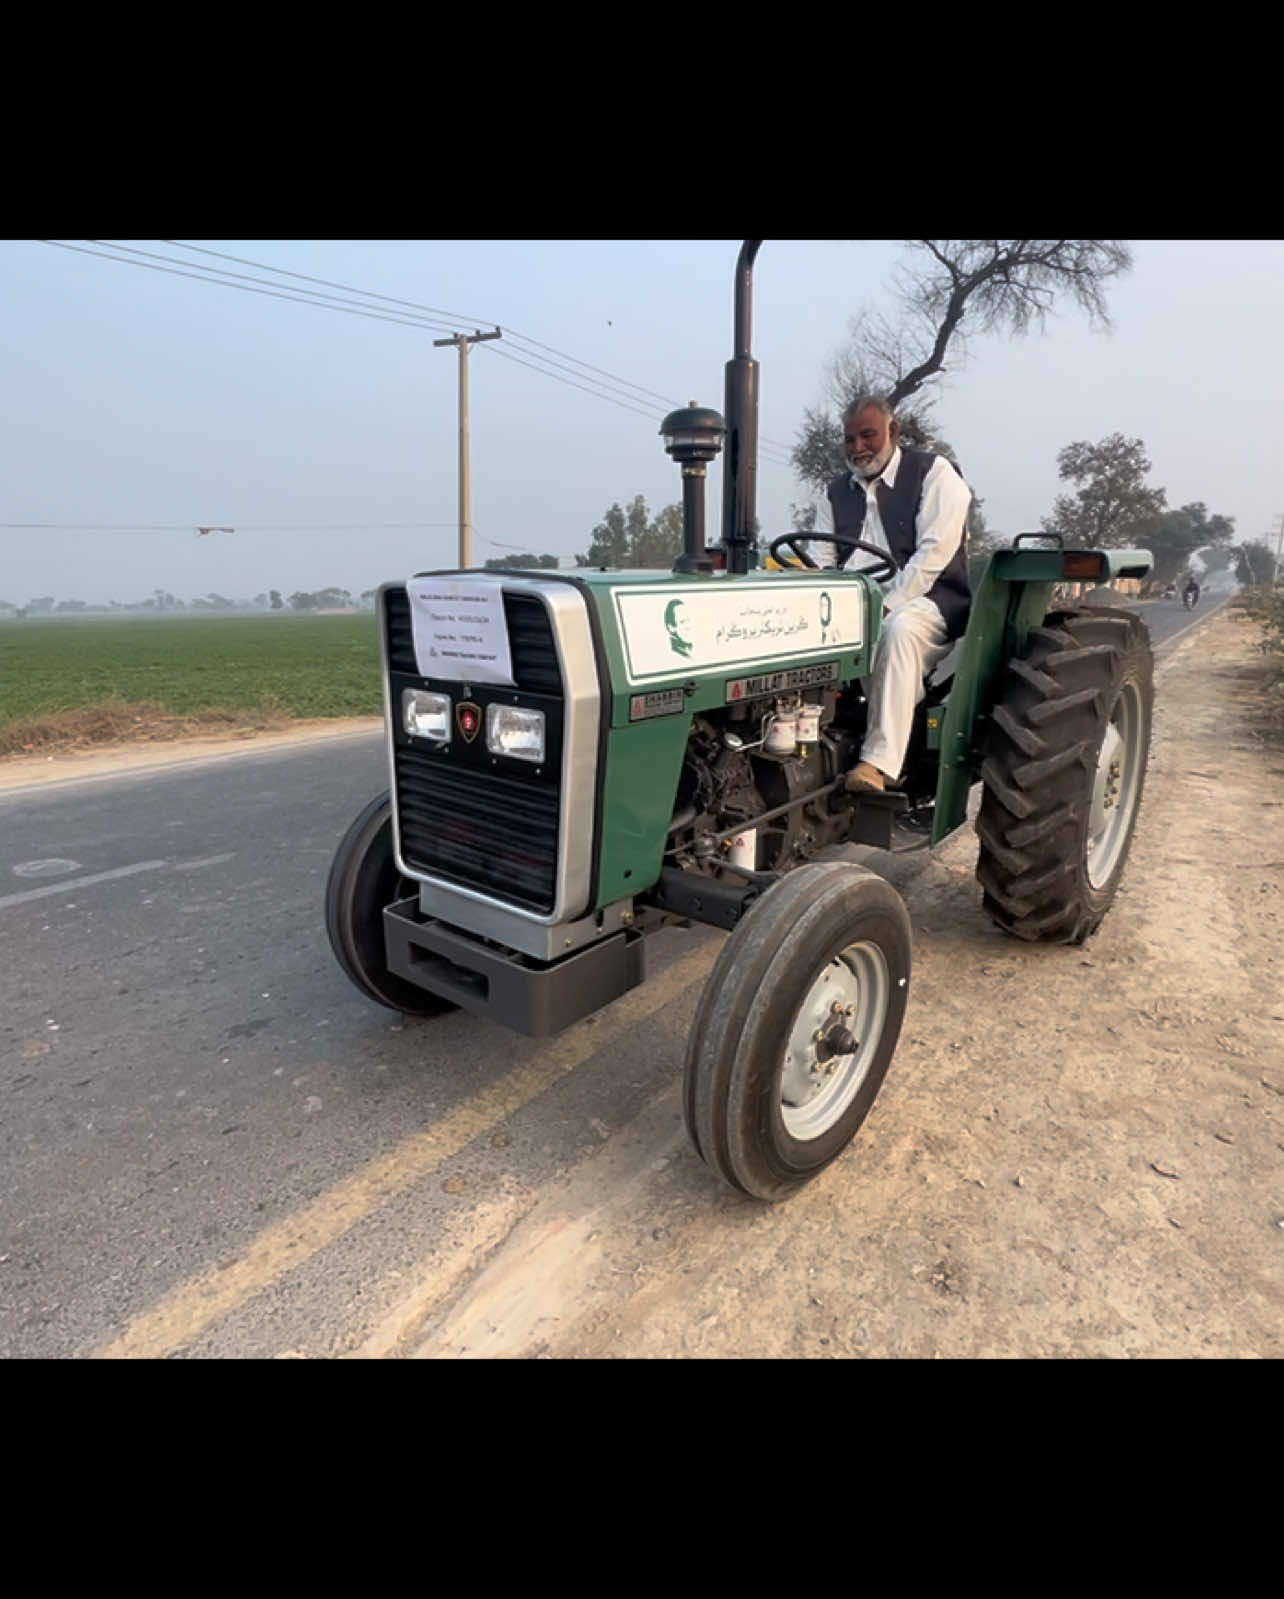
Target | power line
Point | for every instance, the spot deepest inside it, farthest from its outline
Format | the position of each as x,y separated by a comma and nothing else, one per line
455,317
772,453
325,303
227,278
274,294
508,355
241,527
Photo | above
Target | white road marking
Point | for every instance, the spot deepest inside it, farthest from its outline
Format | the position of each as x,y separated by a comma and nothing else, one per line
207,860
54,867
79,882
70,883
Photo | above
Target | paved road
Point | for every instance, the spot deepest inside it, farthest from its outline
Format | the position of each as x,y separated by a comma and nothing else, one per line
210,1143
1167,618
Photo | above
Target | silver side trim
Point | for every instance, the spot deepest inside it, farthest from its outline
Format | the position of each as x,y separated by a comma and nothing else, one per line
582,706
507,925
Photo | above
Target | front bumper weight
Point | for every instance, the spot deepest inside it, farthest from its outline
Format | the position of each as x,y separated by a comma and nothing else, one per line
530,996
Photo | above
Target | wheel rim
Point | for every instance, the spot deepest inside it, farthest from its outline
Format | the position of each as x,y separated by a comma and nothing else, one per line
1115,786
820,1080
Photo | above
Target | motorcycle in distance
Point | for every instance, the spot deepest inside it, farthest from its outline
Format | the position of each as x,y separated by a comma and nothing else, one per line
1190,596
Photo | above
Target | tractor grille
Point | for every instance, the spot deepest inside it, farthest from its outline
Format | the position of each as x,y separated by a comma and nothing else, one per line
530,641
469,826
459,820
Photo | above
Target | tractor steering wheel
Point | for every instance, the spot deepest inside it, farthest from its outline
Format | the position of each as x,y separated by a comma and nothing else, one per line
883,572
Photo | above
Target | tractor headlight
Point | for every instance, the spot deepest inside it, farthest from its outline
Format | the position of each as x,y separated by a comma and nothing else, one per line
426,715
514,731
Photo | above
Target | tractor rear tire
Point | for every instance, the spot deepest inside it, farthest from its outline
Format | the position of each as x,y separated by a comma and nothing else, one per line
1064,774
363,879
796,1027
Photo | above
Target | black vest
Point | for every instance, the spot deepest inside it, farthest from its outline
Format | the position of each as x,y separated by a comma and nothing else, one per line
898,508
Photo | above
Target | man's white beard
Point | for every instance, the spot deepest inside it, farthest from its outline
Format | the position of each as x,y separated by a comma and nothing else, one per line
869,469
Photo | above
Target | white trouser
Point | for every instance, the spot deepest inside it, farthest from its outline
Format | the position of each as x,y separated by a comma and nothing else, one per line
913,643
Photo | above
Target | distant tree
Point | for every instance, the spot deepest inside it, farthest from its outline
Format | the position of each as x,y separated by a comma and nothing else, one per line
661,542
1220,558
633,539
71,605
980,548
368,598
300,601
613,537
1179,534
41,606
274,599
1256,563
1112,508
520,563
331,599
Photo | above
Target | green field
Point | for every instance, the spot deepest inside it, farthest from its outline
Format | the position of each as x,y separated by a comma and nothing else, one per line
297,666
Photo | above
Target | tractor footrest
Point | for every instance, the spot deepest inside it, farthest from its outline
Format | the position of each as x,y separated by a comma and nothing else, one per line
714,901
874,817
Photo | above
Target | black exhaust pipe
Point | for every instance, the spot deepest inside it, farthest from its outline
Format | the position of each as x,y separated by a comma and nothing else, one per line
740,480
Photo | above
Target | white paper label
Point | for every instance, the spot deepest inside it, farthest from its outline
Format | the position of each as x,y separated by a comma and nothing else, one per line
459,630
694,628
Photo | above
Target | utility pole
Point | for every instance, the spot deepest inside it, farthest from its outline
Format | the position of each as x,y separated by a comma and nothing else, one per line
462,342
1279,550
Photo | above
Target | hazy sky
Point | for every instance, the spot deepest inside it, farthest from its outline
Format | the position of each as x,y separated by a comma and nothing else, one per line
142,399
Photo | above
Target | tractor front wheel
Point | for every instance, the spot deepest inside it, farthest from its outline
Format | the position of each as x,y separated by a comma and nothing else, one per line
797,1027
1064,774
363,879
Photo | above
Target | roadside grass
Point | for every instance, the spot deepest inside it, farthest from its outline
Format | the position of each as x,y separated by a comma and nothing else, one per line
107,680
1266,607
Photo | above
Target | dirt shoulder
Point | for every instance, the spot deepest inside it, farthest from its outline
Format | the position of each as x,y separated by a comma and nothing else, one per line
69,763
1078,1151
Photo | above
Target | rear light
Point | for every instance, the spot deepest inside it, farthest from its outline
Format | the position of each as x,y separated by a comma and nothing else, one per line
1084,564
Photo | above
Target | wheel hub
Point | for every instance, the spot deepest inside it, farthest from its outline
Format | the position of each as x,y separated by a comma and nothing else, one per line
1114,787
833,1040
838,1040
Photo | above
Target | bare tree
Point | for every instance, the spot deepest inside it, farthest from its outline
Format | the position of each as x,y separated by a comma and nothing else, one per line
948,291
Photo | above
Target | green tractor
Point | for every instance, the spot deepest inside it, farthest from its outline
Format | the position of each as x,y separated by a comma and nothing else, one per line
577,760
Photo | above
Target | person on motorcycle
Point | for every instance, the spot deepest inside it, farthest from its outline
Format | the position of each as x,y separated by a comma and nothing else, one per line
1190,594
